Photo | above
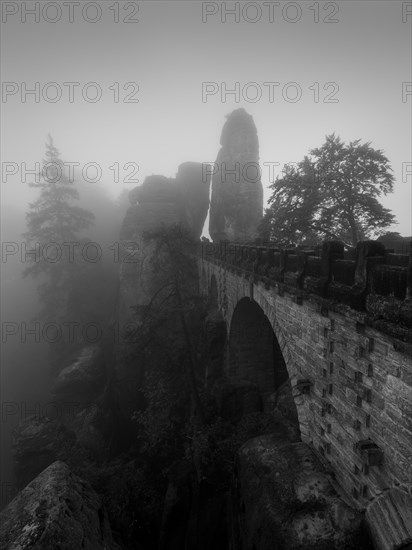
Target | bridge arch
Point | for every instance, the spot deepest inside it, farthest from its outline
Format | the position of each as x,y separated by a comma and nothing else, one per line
254,352
226,292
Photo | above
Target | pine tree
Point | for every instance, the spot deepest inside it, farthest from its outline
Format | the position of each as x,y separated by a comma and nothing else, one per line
53,227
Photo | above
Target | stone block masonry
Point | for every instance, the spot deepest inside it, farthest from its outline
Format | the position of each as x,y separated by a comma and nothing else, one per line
352,381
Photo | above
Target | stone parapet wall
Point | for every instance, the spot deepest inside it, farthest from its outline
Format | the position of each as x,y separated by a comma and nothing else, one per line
373,281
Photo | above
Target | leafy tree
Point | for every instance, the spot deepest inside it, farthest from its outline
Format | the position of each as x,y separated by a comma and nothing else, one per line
331,194
295,198
53,227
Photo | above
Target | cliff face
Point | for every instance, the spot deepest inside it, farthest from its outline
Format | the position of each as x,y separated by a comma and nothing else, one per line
160,203
237,193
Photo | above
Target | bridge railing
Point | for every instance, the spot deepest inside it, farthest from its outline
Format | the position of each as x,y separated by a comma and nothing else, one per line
368,277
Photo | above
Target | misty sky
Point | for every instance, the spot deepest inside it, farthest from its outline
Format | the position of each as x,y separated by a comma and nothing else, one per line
170,51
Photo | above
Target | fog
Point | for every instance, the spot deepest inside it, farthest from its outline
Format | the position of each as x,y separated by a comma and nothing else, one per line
299,73
153,83
24,369
26,349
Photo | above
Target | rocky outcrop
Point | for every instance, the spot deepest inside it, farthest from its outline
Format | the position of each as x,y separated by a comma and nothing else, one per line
284,499
83,378
282,406
80,389
92,427
389,519
158,204
237,194
165,201
154,203
36,443
39,441
59,511
78,420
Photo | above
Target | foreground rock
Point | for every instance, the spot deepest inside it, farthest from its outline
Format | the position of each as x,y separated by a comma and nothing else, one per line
284,499
237,194
56,511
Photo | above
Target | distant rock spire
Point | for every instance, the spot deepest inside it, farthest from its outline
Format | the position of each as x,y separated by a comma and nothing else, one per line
237,194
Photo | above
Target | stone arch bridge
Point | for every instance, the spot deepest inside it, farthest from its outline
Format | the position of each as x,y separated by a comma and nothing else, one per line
339,327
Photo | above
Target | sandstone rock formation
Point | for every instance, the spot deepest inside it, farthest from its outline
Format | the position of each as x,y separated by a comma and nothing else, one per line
37,443
83,377
154,203
56,510
167,201
83,384
282,406
285,500
77,419
237,194
159,202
